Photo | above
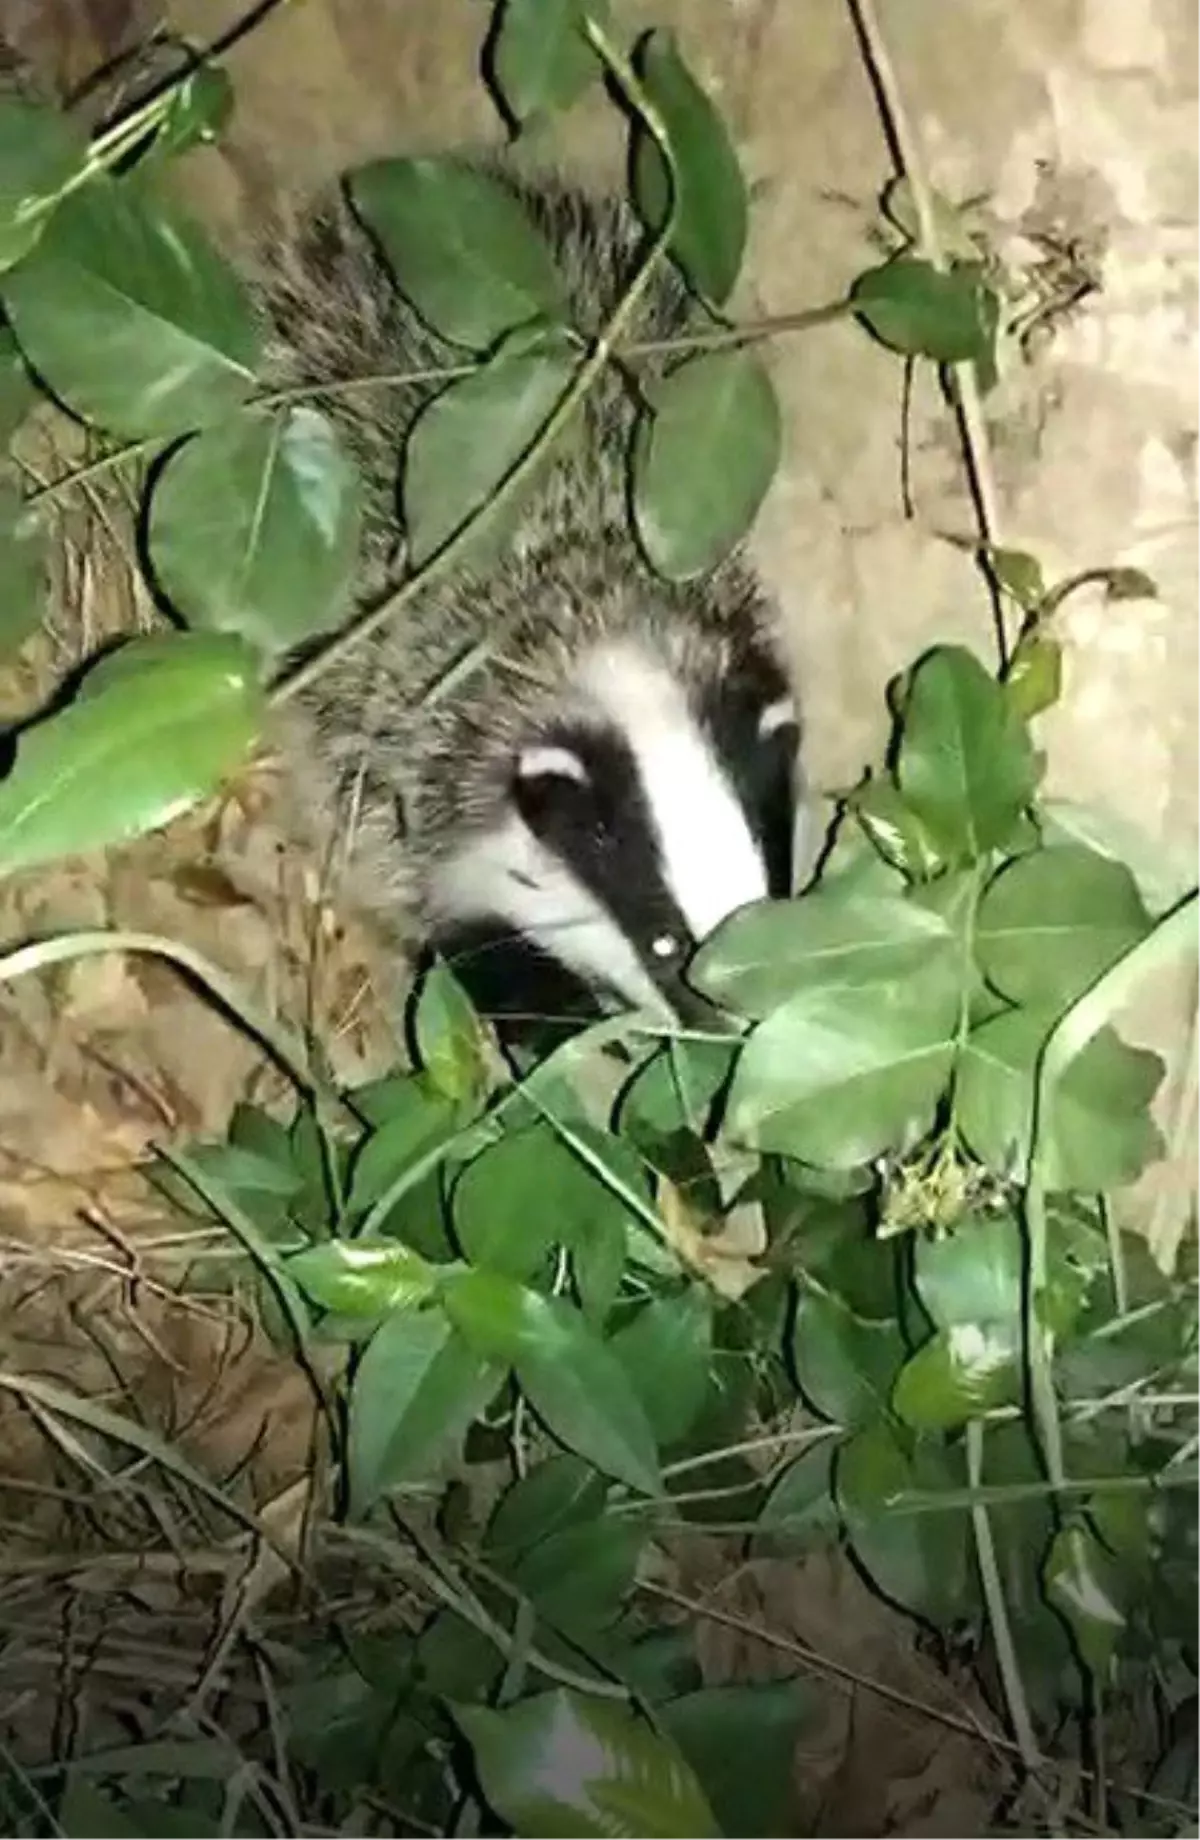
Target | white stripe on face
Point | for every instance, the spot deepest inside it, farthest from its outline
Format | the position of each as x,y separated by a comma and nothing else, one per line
508,875
711,859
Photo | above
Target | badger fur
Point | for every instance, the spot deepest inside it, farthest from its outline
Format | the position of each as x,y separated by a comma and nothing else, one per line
567,820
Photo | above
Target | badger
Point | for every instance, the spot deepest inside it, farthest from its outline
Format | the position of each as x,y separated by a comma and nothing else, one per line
563,822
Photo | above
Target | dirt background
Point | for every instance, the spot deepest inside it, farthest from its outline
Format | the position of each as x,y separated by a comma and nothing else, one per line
1077,120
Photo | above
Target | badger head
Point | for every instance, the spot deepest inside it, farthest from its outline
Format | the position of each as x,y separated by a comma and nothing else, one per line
651,804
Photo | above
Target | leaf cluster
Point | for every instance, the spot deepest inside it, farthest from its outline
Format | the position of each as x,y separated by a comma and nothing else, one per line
490,1272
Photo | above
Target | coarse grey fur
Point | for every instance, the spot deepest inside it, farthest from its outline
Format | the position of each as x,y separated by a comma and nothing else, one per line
410,779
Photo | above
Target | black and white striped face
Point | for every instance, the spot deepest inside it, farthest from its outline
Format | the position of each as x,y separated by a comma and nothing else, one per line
633,830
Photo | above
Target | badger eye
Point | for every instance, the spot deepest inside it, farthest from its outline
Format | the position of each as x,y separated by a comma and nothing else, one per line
666,945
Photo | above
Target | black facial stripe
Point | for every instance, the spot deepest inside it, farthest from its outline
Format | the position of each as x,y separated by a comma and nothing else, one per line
760,767
602,830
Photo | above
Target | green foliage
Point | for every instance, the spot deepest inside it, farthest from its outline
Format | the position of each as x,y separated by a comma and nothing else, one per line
254,528
130,315
559,1763
689,511
541,58
912,307
461,246
154,728
703,185
490,1272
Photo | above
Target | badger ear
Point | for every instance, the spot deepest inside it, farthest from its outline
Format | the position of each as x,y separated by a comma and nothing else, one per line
542,762
552,789
775,716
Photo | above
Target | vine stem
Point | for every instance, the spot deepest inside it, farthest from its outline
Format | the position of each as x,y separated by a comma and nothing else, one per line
718,338
905,147
997,1608
572,397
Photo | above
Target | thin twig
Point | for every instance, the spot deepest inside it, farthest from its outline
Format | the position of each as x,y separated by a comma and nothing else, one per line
997,1609
905,147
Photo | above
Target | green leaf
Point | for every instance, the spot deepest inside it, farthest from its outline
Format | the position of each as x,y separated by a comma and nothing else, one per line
846,1367
40,152
17,392
833,938
563,1763
419,1120
1033,681
741,1741
834,1077
470,436
561,1493
131,316
1163,874
579,1577
1020,575
541,59
666,1351
416,1389
198,110
966,765
1099,1133
525,1194
914,308
959,1373
358,1277
461,246
920,1561
711,211
148,743
451,1040
973,1274
1050,923
598,1259
895,830
22,569
705,452
572,1380
801,1511
254,528
674,1089
1083,1585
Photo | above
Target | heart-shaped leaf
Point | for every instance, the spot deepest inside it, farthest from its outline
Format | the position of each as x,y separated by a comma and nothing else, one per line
966,764
704,454
915,308
921,1561
666,1352
254,528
